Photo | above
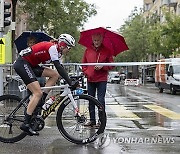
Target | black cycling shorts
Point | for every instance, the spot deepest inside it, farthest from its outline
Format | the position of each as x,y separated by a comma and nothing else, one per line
27,73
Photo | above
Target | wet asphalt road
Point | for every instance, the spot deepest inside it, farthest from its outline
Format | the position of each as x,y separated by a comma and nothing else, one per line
139,120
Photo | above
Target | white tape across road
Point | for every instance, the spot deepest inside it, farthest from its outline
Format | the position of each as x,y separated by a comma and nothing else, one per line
123,63
115,64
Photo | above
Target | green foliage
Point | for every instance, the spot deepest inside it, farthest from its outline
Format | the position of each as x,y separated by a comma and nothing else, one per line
150,36
143,36
58,16
171,33
135,34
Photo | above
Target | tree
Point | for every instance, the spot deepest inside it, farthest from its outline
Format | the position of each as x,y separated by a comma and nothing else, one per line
171,34
135,33
150,36
58,16
154,36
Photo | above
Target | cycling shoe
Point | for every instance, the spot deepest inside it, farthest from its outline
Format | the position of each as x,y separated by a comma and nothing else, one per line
26,128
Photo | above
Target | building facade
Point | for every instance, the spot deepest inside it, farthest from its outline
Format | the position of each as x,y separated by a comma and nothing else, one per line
156,8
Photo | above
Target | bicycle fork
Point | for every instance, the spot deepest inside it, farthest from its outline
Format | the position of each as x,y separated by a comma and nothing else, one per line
68,92
77,113
80,118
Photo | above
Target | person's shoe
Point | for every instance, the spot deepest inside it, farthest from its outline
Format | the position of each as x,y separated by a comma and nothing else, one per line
90,124
26,128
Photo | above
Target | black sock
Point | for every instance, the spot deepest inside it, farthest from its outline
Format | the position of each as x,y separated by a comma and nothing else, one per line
27,118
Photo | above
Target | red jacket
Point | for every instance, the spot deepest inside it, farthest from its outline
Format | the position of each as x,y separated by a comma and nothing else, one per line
102,55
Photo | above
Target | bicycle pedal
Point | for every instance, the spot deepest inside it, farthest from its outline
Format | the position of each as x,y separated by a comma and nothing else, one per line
37,123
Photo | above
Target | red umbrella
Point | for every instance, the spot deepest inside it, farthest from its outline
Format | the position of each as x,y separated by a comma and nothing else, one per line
112,40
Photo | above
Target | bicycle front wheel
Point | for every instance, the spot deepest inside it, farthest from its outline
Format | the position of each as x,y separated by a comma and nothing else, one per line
11,117
73,127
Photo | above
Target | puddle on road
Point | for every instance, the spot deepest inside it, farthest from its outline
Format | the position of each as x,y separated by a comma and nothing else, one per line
117,90
122,91
149,118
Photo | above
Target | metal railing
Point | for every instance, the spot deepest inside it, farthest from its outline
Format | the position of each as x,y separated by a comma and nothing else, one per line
10,81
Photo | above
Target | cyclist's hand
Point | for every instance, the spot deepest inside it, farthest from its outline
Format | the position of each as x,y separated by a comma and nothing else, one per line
74,84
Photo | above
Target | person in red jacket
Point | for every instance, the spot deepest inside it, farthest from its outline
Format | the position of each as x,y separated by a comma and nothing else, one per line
96,75
27,67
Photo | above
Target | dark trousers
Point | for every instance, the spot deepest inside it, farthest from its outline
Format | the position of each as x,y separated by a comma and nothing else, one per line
100,87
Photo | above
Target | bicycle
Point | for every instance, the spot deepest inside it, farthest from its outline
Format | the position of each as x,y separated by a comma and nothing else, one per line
72,114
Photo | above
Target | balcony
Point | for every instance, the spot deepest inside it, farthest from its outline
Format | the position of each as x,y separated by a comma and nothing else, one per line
164,2
172,3
147,7
147,1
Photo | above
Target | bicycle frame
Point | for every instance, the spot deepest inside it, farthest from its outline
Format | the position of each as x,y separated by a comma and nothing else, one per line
59,98
71,117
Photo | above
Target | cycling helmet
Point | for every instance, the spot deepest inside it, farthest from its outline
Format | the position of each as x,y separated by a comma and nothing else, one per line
68,39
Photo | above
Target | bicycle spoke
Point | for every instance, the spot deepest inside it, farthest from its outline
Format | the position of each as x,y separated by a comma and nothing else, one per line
12,116
73,127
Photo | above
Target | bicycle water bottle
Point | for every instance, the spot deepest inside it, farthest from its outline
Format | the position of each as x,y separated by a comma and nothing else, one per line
48,103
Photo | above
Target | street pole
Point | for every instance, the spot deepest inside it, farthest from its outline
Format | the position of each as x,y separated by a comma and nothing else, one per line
143,74
1,69
1,36
1,81
14,3
5,21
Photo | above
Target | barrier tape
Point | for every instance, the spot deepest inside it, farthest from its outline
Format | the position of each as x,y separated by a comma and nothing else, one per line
123,63
113,64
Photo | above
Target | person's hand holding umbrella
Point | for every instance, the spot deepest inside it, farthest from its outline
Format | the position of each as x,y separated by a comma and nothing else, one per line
97,67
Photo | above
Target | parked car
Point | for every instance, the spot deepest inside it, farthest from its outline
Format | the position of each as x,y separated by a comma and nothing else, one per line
113,77
150,78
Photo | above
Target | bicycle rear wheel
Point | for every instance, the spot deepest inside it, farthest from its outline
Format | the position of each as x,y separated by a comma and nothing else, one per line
10,121
73,127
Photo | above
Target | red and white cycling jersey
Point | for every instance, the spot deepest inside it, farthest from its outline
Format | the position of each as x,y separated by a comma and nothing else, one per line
42,52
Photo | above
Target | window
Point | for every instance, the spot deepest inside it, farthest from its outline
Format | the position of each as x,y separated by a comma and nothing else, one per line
176,69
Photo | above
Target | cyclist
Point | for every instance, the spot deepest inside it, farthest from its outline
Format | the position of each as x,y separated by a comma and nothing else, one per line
27,67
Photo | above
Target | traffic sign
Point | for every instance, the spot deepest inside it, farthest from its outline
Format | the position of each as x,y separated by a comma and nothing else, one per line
2,51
